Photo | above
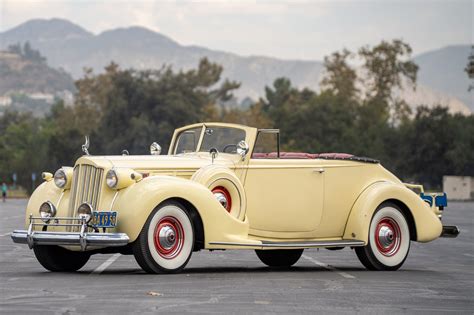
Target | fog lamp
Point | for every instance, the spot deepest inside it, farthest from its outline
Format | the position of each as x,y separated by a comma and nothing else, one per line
84,212
47,210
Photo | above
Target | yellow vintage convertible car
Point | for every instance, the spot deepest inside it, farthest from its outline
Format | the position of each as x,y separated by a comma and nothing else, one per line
226,186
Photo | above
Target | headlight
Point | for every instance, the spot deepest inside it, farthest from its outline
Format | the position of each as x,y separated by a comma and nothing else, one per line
85,212
60,178
119,178
63,177
47,210
111,179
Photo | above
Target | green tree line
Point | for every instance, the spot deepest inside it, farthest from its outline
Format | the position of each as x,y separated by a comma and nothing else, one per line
352,111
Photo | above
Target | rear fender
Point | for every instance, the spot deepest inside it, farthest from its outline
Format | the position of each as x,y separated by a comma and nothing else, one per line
135,204
428,226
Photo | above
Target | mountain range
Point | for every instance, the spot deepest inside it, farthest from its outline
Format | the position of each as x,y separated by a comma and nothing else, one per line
68,46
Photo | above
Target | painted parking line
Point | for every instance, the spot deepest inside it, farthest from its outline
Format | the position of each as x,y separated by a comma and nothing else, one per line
105,264
14,217
5,234
328,267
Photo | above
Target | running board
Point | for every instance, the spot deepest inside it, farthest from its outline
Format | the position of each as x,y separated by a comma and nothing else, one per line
304,244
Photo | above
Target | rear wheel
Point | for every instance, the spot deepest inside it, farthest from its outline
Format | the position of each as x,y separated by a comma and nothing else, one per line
280,258
389,240
166,241
55,258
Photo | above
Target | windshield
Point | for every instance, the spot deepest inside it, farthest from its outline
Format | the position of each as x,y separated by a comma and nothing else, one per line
224,139
188,140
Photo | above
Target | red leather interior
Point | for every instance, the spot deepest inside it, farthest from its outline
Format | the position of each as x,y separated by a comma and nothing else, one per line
301,155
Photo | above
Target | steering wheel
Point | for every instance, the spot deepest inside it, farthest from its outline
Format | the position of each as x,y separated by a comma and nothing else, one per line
227,146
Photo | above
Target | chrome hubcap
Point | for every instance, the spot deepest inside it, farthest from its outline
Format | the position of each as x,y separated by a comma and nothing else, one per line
385,236
221,198
388,237
167,237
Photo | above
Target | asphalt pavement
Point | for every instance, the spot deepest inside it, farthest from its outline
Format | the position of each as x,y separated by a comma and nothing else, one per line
437,277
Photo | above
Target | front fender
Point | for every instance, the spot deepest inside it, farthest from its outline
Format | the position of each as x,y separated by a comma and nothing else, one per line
46,191
135,203
428,226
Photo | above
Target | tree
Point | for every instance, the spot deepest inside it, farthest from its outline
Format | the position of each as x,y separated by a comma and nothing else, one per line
470,68
387,64
388,67
21,137
340,78
149,104
433,152
27,52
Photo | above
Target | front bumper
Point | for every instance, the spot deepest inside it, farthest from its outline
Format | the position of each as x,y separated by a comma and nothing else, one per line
69,238
84,238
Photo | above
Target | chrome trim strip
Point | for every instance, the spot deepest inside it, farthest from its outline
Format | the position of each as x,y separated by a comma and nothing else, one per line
311,244
60,198
113,201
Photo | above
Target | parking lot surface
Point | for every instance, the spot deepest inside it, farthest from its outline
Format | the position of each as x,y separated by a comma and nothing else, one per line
437,277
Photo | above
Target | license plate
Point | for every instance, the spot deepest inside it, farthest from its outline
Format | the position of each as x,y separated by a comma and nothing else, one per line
104,219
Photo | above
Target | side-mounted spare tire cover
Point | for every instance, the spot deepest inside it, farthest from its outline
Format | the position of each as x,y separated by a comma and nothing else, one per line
217,176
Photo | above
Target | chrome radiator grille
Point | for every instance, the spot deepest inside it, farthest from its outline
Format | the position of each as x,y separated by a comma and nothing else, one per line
85,187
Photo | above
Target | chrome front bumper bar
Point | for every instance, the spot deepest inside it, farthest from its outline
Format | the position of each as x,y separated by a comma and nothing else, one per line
82,238
69,238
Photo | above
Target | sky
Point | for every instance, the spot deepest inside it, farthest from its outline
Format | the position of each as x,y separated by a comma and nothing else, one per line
284,29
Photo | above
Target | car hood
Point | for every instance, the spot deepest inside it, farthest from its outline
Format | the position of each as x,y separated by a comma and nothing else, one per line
151,163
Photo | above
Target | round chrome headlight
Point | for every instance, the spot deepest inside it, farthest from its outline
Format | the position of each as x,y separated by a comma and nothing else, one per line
47,210
60,178
85,212
111,179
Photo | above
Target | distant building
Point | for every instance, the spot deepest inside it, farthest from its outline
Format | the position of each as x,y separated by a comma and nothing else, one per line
459,187
5,101
46,97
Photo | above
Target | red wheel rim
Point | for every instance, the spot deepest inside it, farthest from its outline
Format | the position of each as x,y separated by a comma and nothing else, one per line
220,192
168,237
388,236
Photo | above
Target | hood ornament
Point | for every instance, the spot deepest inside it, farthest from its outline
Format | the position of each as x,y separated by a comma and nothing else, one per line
85,146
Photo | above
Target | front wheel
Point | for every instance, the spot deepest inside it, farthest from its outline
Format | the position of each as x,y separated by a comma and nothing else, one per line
280,258
55,258
166,242
389,240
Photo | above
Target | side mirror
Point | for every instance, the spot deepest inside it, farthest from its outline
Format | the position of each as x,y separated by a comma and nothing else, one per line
214,153
242,148
155,149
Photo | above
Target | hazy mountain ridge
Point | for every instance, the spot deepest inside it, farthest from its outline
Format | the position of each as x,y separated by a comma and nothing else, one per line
71,47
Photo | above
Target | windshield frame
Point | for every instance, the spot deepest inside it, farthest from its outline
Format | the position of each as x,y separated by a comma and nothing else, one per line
198,144
249,133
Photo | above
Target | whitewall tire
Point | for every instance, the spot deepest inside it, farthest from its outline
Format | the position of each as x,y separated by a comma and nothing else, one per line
166,241
389,239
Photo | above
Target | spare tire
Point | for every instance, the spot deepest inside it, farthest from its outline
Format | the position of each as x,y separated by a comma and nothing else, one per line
223,182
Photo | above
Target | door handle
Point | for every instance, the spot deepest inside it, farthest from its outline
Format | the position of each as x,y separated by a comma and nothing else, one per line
319,170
